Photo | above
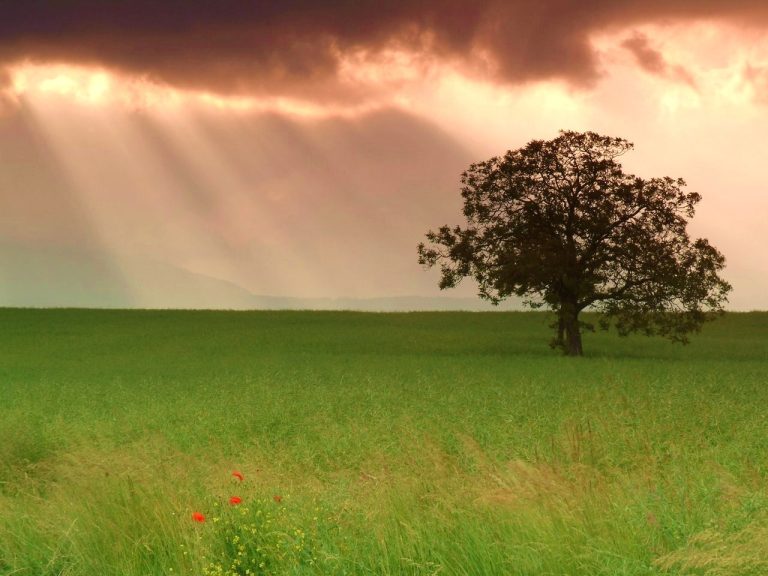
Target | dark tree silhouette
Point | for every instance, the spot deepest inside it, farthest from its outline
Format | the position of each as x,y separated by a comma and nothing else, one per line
559,223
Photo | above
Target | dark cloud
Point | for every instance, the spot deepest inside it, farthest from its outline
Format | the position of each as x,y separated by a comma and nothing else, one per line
653,62
649,59
293,46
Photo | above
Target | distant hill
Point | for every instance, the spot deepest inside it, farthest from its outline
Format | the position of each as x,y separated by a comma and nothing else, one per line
57,277
391,304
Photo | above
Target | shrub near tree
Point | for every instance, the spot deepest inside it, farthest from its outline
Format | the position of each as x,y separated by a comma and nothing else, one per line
560,224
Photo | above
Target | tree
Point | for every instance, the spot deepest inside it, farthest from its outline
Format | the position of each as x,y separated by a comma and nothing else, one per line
560,224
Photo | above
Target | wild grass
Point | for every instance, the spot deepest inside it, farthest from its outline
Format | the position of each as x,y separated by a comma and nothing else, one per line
425,443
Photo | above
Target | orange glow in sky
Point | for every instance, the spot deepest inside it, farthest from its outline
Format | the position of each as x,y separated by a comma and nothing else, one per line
286,195
99,87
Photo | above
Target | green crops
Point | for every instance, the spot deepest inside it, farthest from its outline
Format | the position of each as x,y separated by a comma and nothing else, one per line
424,443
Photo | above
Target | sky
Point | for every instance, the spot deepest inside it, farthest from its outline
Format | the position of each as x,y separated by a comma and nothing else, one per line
186,153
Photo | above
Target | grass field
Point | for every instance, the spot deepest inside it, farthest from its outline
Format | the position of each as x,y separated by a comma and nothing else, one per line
424,443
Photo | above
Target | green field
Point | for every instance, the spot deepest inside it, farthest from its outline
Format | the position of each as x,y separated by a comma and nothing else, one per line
423,443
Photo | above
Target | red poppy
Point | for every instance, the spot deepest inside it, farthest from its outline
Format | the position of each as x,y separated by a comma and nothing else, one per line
238,475
198,517
277,498
235,500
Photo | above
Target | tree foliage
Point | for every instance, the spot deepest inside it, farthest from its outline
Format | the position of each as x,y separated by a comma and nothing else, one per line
560,224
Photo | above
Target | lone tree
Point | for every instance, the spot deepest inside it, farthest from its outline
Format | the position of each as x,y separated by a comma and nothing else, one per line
559,223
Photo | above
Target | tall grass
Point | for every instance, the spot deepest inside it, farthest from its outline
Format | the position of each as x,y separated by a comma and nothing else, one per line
417,443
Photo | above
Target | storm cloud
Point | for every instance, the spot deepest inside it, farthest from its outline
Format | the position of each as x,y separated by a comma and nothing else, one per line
295,47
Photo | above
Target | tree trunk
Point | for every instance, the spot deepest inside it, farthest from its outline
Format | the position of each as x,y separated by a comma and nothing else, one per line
558,343
572,344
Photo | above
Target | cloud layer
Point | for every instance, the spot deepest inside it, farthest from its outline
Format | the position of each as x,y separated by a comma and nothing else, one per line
296,47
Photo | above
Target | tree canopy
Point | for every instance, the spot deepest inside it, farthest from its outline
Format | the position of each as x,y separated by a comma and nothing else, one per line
559,223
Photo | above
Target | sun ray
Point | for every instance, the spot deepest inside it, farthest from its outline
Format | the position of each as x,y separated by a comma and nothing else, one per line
249,220
130,195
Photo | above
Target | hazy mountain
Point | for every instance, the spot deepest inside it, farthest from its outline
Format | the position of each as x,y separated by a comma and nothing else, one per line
58,277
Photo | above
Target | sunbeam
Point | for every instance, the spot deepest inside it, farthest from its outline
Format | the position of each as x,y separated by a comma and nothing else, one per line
247,188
